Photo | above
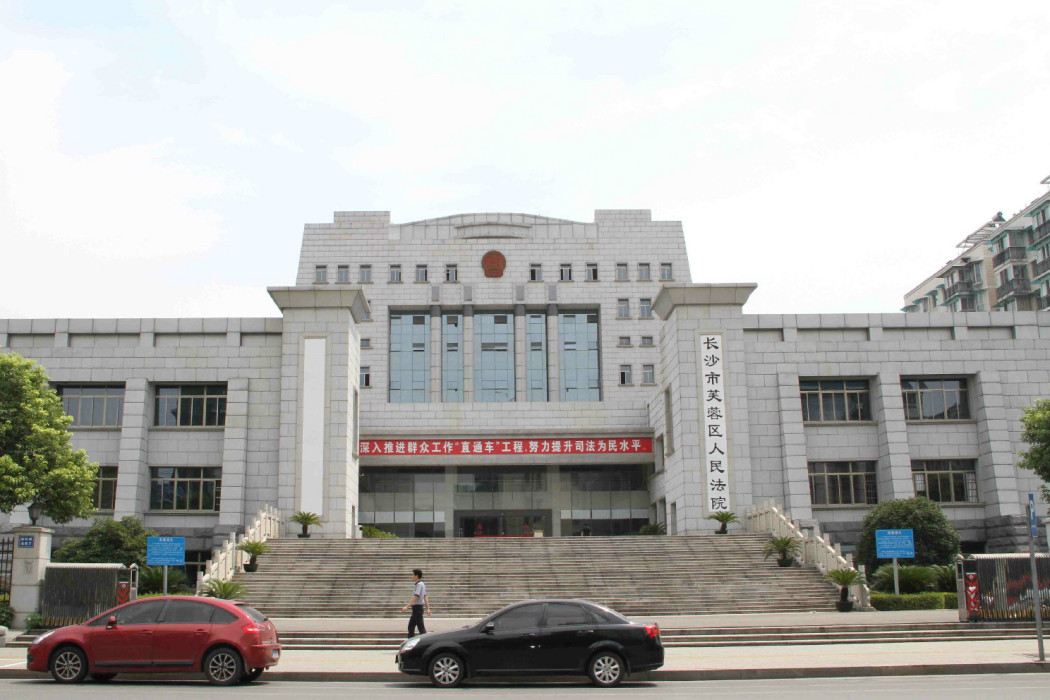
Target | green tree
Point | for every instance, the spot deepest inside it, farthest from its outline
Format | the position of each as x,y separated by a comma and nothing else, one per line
1036,421
108,542
936,541
37,463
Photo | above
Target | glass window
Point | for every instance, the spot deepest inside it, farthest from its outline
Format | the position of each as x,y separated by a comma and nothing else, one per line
842,483
452,358
365,379
395,273
647,341
579,361
421,273
623,308
320,273
643,272
368,311
251,612
648,374
946,480
144,613
645,308
666,272
566,272
342,273
564,615
365,273
195,561
190,406
222,617
829,400
535,272
625,375
621,272
185,489
93,406
493,358
932,398
625,341
409,358
451,273
106,488
592,272
519,618
187,612
366,343
501,480
536,356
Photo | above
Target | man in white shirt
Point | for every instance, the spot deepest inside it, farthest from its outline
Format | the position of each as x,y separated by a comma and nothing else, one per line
419,604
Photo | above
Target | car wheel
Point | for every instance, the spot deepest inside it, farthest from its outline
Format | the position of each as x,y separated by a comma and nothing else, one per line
69,665
103,677
446,670
606,669
252,675
223,666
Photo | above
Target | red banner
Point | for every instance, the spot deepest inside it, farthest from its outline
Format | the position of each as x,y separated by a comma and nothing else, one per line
509,446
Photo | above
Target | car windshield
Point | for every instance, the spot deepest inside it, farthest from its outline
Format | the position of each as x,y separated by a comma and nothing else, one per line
252,613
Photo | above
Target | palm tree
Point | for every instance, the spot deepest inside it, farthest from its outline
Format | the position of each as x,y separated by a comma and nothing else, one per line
725,517
253,548
844,578
306,519
786,549
227,590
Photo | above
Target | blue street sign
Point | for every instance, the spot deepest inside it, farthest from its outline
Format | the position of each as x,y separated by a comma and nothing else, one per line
1033,520
26,541
166,551
895,544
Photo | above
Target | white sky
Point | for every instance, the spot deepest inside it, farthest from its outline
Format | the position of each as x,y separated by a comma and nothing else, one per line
161,160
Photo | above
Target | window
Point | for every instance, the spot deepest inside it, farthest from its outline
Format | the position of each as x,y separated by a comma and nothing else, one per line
945,480
842,483
566,272
365,379
592,272
452,359
195,561
409,358
421,273
623,308
643,272
645,308
342,273
621,272
535,272
827,400
666,272
320,273
190,406
144,613
493,358
395,273
647,341
565,615
368,311
451,273
935,399
93,406
625,375
185,489
536,356
187,612
366,343
624,341
578,359
520,618
648,374
106,488
365,274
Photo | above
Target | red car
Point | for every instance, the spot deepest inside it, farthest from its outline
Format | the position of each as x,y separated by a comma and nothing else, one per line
228,641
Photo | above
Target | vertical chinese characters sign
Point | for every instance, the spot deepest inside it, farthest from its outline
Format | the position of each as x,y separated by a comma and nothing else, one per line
715,424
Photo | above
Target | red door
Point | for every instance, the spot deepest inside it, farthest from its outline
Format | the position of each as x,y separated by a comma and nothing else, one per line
180,635
129,642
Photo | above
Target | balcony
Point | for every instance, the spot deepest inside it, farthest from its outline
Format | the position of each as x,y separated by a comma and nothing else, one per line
1041,231
1042,303
961,287
1011,254
1017,287
1040,268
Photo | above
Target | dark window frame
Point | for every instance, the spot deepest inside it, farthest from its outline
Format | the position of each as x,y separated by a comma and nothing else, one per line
836,483
846,400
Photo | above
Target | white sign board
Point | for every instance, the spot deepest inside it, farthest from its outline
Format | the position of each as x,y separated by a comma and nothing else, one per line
714,406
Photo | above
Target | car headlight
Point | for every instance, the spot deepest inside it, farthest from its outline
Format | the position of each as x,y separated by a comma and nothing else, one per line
410,644
41,637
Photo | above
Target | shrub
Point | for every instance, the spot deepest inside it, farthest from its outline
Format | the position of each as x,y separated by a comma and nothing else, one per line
725,517
151,580
951,601
653,529
253,548
108,542
916,601
944,577
6,615
34,621
783,547
374,532
936,541
224,589
912,579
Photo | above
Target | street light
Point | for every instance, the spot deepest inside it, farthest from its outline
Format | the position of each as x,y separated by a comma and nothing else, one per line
35,511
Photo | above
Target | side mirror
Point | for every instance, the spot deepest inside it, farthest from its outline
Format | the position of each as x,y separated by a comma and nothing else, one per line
489,627
112,621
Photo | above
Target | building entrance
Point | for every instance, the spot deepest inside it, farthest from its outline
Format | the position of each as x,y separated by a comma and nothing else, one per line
502,523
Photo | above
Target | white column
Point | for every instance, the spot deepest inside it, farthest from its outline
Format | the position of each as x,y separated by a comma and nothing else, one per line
32,555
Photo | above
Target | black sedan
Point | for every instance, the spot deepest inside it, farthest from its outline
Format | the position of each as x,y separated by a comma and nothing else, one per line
560,637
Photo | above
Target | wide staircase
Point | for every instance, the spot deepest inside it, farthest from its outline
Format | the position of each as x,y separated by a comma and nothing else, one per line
638,576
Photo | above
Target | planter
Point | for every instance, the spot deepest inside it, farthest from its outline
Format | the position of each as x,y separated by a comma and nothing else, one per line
303,536
251,565
844,605
787,561
721,532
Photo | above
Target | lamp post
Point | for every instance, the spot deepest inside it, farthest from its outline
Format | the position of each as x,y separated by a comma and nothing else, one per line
35,511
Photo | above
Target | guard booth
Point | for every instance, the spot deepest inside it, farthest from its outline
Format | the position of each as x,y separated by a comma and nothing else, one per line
73,593
998,587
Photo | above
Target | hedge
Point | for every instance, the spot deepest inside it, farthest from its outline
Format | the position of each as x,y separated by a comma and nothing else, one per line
915,601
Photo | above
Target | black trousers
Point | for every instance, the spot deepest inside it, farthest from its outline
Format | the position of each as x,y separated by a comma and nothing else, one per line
416,621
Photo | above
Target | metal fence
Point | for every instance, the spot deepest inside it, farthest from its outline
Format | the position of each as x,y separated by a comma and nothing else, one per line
998,587
7,563
73,593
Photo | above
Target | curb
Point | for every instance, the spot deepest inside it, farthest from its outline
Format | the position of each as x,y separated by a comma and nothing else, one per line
736,674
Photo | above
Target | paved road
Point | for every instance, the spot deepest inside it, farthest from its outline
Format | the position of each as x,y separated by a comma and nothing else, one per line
897,688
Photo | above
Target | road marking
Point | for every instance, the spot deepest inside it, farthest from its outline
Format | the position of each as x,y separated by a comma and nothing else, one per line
17,663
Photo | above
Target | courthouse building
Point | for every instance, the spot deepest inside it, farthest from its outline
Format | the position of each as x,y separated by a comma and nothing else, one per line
510,374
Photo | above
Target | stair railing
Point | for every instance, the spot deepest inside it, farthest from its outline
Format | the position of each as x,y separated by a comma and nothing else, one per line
817,549
227,559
